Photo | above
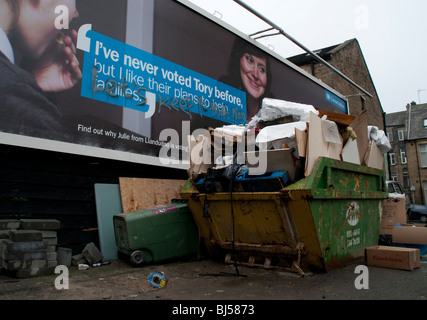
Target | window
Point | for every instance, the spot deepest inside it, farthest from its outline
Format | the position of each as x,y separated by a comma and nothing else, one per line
390,135
403,157
393,158
406,179
425,122
423,155
401,135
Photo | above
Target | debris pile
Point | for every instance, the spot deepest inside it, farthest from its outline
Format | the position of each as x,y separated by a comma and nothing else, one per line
90,256
401,245
280,146
28,246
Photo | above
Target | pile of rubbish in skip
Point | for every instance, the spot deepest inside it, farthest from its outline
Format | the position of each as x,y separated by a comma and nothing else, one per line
279,146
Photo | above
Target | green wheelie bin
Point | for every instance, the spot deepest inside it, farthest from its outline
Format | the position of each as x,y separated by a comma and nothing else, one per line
156,234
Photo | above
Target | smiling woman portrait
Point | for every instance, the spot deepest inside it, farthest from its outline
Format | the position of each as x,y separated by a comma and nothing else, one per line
249,70
35,59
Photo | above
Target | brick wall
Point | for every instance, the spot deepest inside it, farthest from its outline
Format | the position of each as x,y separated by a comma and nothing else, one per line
350,61
417,175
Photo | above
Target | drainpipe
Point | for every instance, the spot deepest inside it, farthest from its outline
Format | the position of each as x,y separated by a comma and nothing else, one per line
421,184
409,121
387,160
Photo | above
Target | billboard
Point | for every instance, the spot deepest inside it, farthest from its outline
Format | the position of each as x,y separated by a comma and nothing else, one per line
119,79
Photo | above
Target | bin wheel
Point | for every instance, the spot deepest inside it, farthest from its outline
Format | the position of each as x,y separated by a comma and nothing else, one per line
137,258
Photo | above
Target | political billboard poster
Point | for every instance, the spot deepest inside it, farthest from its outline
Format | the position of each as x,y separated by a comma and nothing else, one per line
113,78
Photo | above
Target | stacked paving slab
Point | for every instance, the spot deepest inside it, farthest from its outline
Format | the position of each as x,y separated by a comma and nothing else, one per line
28,246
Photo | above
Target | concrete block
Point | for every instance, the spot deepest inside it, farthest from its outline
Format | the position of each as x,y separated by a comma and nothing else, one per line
50,241
11,256
51,256
25,235
51,248
4,234
40,224
1,247
52,263
9,224
78,259
24,264
48,233
35,272
11,246
92,253
64,256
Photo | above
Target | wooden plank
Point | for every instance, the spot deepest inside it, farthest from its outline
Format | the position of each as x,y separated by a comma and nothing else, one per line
339,118
141,193
301,142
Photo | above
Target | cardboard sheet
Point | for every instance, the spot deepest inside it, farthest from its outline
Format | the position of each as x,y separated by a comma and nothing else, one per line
409,234
350,152
200,155
140,193
277,160
339,118
318,146
393,257
373,157
360,127
394,212
301,142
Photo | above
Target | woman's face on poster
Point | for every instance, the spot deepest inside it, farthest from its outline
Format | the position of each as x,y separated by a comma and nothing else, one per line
253,71
36,24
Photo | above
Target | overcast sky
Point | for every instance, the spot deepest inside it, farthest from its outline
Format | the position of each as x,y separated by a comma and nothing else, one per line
391,33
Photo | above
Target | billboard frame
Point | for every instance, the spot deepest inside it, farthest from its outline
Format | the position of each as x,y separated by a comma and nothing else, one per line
127,156
272,53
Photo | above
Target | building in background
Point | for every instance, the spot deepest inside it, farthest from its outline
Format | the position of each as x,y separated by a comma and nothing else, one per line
407,132
397,160
348,58
416,151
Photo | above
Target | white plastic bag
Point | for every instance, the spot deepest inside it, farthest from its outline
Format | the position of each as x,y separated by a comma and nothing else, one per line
273,109
380,139
278,135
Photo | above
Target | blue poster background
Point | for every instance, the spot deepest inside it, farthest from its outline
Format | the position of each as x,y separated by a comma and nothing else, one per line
120,74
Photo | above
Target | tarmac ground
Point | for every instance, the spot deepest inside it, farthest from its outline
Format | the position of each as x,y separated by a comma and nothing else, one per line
213,280
219,288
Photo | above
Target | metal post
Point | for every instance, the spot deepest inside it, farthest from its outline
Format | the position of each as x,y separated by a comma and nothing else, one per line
314,55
